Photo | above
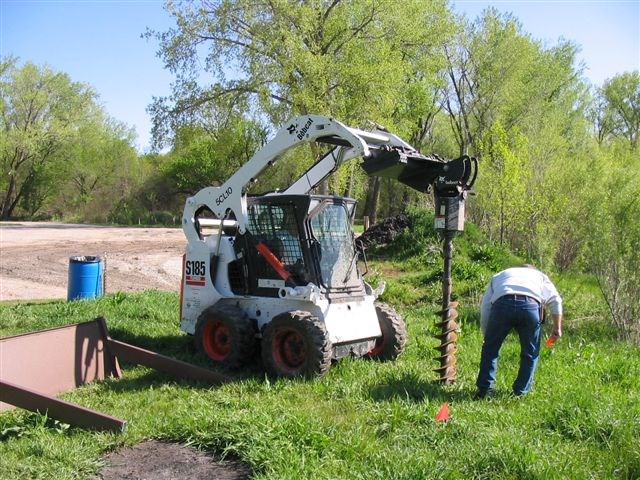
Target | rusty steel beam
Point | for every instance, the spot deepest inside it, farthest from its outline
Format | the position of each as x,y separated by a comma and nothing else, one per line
176,368
59,409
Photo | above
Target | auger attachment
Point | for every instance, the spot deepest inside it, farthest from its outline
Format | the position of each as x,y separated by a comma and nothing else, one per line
448,335
451,191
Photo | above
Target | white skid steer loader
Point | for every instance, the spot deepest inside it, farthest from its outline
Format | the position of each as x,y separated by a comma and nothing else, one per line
280,270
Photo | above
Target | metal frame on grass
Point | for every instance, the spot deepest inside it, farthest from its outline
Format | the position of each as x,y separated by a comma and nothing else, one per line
36,366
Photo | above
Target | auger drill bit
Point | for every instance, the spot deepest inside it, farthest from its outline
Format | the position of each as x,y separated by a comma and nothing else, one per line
447,348
450,193
448,326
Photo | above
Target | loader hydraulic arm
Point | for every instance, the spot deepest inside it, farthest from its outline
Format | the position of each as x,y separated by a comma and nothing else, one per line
383,153
391,157
231,195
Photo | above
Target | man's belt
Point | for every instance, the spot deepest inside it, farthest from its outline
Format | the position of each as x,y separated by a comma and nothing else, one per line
519,296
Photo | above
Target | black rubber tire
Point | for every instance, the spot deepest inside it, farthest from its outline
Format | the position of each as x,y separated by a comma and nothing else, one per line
394,334
296,344
226,335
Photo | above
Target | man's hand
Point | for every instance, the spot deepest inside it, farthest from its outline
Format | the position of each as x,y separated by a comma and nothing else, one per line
557,326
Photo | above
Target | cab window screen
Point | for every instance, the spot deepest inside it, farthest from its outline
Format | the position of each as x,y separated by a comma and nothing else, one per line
276,226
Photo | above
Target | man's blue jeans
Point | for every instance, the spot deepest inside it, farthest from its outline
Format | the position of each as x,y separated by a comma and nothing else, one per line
507,313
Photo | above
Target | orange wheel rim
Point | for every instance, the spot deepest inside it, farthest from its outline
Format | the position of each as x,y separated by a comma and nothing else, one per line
377,348
289,350
216,340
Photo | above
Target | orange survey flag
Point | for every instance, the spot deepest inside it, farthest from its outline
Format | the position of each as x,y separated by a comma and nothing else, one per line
443,413
550,341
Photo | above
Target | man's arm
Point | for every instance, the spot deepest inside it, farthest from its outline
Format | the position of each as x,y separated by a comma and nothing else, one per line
553,302
557,325
485,309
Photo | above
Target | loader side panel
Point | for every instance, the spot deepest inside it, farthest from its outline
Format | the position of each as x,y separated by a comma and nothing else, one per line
345,321
205,278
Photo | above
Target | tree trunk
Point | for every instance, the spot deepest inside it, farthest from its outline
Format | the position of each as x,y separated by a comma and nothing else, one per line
406,200
6,207
373,195
323,187
349,188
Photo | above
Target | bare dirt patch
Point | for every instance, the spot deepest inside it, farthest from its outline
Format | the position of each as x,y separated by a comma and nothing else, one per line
154,460
34,258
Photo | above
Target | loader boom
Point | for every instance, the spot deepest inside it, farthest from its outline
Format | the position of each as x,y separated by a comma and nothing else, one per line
383,153
231,195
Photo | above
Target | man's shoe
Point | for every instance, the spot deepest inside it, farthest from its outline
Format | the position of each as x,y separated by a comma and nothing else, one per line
483,393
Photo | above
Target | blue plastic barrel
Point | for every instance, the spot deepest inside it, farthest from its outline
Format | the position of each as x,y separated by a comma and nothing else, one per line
85,278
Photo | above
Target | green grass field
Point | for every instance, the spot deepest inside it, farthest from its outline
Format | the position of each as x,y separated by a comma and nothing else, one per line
365,419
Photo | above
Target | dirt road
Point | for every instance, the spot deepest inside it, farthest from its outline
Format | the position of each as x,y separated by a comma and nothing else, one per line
34,257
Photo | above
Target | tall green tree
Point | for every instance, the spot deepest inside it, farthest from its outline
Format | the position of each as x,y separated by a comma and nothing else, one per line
613,237
57,144
201,158
100,166
355,60
340,58
621,96
601,117
518,106
39,114
497,72
506,171
613,252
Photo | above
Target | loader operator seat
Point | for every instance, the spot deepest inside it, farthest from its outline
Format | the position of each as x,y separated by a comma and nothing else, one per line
288,236
276,226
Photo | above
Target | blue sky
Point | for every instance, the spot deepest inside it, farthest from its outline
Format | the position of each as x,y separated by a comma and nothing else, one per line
98,42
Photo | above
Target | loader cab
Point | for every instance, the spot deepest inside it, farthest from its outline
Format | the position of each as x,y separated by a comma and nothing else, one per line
333,246
311,238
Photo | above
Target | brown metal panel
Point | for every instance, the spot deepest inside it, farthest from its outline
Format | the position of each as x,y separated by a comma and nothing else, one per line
56,360
177,368
35,366
59,409
109,355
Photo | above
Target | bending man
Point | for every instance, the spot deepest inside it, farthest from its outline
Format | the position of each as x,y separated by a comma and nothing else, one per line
514,300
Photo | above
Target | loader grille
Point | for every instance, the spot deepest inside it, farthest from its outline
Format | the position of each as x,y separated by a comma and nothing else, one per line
236,278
